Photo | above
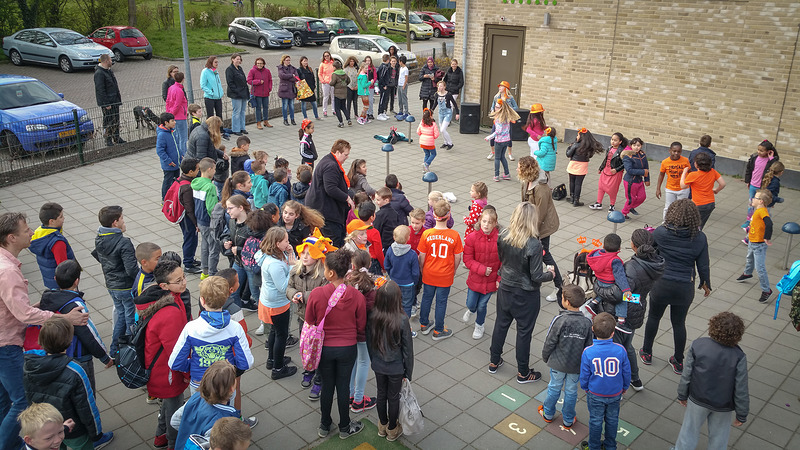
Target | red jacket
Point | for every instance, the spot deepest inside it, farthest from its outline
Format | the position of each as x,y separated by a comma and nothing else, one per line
413,240
480,252
375,247
254,78
346,323
163,330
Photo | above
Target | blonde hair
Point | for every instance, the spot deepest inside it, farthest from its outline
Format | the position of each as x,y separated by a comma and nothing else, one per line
441,208
283,58
228,432
417,213
401,234
435,196
316,271
481,189
269,245
309,216
214,124
505,114
522,225
214,290
776,168
36,416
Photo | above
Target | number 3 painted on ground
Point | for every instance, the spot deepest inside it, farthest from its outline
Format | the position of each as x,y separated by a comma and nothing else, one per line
515,427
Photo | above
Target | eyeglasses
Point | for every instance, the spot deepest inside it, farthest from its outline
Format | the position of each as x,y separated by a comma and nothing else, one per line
180,280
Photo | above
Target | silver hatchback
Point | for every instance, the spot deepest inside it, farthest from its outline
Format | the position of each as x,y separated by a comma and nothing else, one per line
60,47
265,33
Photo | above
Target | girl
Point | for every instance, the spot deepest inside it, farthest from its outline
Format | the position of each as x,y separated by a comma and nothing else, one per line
171,71
503,114
258,222
360,278
308,151
535,127
299,221
372,75
305,72
239,183
430,221
483,263
504,94
351,69
364,92
479,194
274,213
611,171
758,164
275,257
545,154
391,351
358,178
428,133
232,242
260,80
325,72
287,91
177,105
637,176
579,153
282,163
358,199
447,104
357,240
339,82
772,181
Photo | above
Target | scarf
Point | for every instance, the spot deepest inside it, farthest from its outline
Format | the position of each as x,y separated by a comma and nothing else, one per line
346,180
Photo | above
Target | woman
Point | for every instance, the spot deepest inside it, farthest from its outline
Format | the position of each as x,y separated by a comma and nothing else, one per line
351,69
238,93
454,77
325,72
305,72
171,71
176,105
211,85
260,79
206,141
287,90
683,247
372,76
427,87
518,294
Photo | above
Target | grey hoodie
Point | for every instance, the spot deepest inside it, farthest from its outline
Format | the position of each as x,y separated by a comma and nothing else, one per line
400,249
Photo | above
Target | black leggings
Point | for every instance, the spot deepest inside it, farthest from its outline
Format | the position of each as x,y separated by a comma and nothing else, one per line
352,101
388,398
428,103
278,333
514,304
678,296
575,184
335,366
213,107
339,108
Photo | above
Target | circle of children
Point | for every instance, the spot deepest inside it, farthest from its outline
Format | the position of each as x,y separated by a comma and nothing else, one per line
362,289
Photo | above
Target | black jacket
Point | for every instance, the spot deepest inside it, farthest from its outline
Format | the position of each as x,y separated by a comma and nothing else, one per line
386,220
699,150
521,267
618,164
237,83
574,155
641,274
106,89
299,191
236,233
454,80
401,205
751,164
186,197
117,258
165,87
385,77
308,75
200,145
427,87
450,102
298,233
682,253
569,333
86,341
328,192
398,360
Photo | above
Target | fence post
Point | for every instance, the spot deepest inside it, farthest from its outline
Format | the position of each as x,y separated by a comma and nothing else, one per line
78,135
434,54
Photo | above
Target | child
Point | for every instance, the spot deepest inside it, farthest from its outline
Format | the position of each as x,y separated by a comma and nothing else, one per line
545,153
239,183
714,383
579,153
479,193
229,433
148,254
402,265
259,186
611,172
483,262
299,221
705,143
447,105
308,151
428,133
392,353
117,258
637,176
258,155
358,178
367,216
535,126
399,201
52,377
188,223
701,183
204,194
503,95
439,254
605,375
281,163
772,182
168,151
339,82
416,219
430,222
43,427
503,115
758,239
386,219
239,154
758,165
303,184
49,244
364,92
196,113
233,241
361,279
402,88
569,334
357,238
237,315
673,168
609,271
278,191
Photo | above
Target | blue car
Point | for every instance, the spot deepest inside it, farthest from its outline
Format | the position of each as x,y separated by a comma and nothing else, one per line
34,118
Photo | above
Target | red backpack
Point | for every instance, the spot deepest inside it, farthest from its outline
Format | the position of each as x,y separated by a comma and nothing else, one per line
173,209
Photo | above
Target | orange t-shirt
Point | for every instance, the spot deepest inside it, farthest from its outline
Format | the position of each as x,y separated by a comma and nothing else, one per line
440,248
702,184
757,225
674,169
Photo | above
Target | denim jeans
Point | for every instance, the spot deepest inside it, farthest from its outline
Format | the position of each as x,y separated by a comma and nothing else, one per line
237,117
124,316
182,134
313,105
12,395
169,178
429,156
189,241
478,302
569,381
603,409
262,108
287,108
719,427
409,294
705,213
500,157
254,280
243,285
441,294
757,256
358,378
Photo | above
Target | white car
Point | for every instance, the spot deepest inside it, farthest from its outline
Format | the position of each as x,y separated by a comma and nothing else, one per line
363,45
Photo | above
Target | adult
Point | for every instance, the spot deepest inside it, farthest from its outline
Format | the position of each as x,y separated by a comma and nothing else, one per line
325,72
521,276
177,106
306,72
328,192
260,80
684,247
106,91
428,79
171,71
287,91
372,76
206,142
454,77
238,93
211,84
16,313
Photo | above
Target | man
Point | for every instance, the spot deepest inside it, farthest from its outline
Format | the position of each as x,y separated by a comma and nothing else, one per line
328,192
15,314
108,99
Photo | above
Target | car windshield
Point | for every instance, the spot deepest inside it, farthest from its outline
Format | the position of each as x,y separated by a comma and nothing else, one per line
384,43
28,93
130,33
266,24
348,24
317,25
413,18
69,38
438,18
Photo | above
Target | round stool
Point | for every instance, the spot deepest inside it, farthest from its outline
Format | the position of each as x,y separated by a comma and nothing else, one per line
790,228
387,148
616,218
430,178
410,119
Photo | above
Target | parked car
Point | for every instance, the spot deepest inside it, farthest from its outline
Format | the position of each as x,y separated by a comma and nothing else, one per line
266,33
338,26
123,41
394,19
441,26
305,30
363,45
34,118
60,47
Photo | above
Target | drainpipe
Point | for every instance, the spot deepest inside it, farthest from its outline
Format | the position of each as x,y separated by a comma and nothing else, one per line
464,49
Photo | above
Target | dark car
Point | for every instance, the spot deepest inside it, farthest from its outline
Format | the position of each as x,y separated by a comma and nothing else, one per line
306,30
123,41
441,26
265,33
338,26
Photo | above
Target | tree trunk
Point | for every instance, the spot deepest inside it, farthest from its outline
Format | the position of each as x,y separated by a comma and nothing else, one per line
408,24
362,4
131,13
352,5
29,14
253,8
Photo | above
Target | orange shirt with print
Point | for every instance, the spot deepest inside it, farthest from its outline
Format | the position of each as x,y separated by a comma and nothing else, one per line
673,171
702,184
440,248
757,225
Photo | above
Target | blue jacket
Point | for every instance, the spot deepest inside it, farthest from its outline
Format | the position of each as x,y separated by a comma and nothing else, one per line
167,149
42,246
546,153
612,359
402,264
278,194
142,281
635,164
197,416
275,280
211,84
699,150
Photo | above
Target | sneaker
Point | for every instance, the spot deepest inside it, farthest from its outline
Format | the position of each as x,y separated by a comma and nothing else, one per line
676,366
765,296
506,176
392,435
510,157
414,311
260,330
341,125
192,269
355,427
425,329
541,413
271,363
104,440
529,378
745,241
634,212
370,117
467,316
449,146
637,385
596,206
622,327
323,431
647,358
314,394
349,123
743,277
627,217
425,167
443,146
444,334
324,113
490,156
250,306
589,309
152,400
292,341
250,421
552,297
366,404
611,208
584,445
203,276
493,367
565,426
383,117
413,334
160,441
496,178
283,372
307,378
478,333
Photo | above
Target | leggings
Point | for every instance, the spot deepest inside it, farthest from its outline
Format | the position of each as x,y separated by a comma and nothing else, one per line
678,296
352,102
327,97
443,130
278,333
575,184
427,103
389,387
335,367
339,108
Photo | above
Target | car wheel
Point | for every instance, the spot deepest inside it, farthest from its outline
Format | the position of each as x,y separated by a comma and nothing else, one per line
331,36
232,38
148,56
298,40
413,36
383,30
65,64
319,43
118,56
262,43
436,32
10,146
16,58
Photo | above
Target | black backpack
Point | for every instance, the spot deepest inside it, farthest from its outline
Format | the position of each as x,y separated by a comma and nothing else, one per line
130,356
560,192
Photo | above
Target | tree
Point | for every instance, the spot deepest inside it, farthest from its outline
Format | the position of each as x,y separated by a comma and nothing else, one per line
352,5
131,13
407,4
29,13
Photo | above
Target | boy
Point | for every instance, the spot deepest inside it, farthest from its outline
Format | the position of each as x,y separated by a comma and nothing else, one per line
258,155
147,253
416,227
673,168
239,154
702,187
605,375
609,272
196,113
439,254
705,143
49,244
230,433
569,334
366,217
260,186
118,260
53,377
402,265
382,83
278,191
168,152
386,219
188,223
43,427
402,89
759,238
714,383
399,200
303,184
204,194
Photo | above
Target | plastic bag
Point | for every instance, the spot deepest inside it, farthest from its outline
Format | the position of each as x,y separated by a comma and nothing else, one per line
411,417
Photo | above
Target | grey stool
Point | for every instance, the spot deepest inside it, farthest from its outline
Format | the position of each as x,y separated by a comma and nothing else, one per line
616,218
790,228
387,148
430,178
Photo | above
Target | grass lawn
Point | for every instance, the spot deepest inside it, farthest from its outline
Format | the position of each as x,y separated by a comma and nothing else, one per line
167,43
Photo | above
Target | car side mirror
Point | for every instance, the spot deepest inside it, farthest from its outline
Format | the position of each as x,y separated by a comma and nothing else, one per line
61,95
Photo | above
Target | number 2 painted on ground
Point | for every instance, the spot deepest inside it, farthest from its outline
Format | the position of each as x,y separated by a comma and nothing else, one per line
442,253
608,367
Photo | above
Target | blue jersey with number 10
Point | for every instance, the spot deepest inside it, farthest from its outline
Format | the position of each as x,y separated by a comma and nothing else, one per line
605,369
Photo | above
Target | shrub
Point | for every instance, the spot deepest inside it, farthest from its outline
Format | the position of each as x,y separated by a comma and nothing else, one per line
274,12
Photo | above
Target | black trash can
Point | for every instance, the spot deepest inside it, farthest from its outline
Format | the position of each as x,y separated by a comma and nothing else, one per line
518,132
470,119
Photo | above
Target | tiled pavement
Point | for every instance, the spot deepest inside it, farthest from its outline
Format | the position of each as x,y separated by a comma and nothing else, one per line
450,376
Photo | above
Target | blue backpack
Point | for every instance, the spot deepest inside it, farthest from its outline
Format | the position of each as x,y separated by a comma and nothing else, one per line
786,285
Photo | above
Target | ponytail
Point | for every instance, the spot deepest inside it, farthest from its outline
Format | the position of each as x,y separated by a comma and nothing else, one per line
776,167
643,241
360,277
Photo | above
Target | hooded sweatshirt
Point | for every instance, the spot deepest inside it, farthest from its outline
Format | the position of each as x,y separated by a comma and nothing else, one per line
45,244
260,190
339,82
205,198
117,258
402,264
198,416
299,191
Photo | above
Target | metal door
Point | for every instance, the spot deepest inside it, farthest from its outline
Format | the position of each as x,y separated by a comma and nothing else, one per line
503,61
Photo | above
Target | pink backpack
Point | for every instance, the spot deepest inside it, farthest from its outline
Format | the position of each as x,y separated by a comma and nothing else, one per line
313,336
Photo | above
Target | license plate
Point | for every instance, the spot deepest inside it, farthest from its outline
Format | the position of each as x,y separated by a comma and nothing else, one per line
66,133
320,32
286,41
140,50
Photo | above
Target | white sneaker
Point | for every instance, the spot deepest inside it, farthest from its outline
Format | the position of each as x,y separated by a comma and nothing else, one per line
382,117
467,316
511,157
552,297
414,311
490,156
260,330
478,333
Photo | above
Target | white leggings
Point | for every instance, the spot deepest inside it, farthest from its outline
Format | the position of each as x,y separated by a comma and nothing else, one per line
534,145
444,133
327,98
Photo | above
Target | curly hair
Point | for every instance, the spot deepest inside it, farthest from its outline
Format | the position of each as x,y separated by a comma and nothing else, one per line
726,328
528,169
684,213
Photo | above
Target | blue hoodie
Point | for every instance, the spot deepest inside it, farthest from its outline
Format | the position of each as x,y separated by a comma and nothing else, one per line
612,359
546,154
167,149
402,264
198,416
278,194
42,246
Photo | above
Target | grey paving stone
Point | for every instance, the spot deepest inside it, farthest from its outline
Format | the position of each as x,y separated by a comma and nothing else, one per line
442,439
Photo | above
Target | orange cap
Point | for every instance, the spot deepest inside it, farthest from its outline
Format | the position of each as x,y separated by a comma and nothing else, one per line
537,108
356,224
504,84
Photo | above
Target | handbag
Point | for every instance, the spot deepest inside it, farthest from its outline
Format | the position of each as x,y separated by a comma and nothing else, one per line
252,101
411,418
313,336
303,91
560,192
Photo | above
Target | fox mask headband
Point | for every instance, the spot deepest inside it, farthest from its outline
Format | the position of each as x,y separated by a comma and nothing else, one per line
317,245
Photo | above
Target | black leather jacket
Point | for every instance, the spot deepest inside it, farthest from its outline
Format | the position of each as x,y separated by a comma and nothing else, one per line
521,267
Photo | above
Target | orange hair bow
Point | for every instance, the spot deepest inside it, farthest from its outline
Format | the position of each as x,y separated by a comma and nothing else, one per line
547,130
583,130
304,124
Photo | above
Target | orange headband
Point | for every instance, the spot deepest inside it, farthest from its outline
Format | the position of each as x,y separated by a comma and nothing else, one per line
583,130
304,124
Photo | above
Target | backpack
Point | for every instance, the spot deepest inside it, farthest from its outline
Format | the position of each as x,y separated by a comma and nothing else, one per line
313,336
560,192
785,286
197,442
249,249
31,341
130,356
173,209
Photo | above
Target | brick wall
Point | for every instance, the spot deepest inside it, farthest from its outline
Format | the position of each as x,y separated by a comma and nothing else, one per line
661,70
